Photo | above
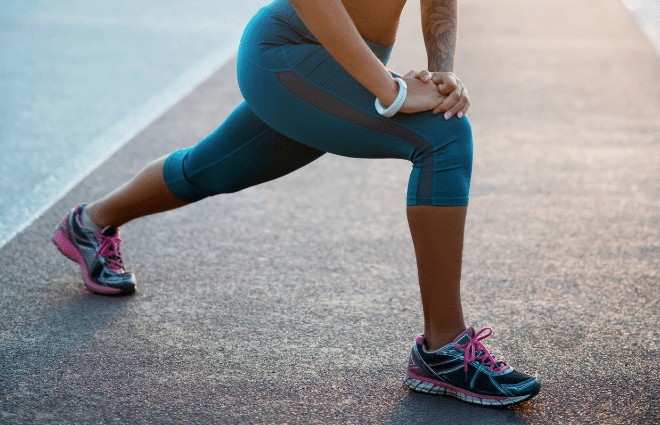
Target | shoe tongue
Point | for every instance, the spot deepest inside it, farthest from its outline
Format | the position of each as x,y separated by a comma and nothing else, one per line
465,336
109,231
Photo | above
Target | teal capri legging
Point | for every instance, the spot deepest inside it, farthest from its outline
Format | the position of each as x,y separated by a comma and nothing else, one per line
299,104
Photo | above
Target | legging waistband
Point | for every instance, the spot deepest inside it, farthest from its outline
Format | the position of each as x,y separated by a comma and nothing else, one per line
279,24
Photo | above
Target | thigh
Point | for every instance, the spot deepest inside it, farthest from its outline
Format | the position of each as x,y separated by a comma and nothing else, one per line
242,152
317,102
296,87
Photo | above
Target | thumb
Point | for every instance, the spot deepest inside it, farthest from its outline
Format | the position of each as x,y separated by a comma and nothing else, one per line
447,84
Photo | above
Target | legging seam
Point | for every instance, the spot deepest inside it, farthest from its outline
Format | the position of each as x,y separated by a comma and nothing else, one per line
381,119
385,122
418,149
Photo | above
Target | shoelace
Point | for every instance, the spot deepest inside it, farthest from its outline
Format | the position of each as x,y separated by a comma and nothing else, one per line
475,345
109,250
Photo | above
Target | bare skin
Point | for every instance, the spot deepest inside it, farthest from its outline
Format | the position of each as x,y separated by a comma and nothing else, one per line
146,193
340,26
376,21
437,234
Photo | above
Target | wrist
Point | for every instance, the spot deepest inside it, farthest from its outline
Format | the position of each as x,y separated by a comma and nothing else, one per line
440,67
388,94
398,102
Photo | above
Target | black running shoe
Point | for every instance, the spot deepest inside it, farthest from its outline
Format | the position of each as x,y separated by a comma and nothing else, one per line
466,370
97,253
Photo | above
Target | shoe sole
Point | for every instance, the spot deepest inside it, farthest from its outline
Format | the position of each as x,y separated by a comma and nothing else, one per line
63,243
428,386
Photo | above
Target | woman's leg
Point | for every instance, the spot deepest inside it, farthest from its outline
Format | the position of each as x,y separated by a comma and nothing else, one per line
328,109
146,193
437,234
242,152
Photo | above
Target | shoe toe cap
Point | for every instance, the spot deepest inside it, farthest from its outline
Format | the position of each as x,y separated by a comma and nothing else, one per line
531,387
124,281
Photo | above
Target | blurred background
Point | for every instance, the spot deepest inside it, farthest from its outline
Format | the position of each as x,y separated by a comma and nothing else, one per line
80,78
647,15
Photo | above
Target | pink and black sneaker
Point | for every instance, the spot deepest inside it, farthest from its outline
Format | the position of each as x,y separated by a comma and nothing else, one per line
466,370
97,253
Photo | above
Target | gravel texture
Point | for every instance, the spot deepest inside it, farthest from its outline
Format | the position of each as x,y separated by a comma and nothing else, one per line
296,301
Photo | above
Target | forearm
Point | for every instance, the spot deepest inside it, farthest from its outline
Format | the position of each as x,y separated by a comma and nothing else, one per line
440,28
333,27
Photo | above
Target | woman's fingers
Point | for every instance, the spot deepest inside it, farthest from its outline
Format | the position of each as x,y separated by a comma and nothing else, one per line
463,111
447,82
421,96
456,104
448,103
448,96
425,76
462,104
454,95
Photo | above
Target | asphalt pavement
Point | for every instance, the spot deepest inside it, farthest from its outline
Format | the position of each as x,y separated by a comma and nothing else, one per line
296,301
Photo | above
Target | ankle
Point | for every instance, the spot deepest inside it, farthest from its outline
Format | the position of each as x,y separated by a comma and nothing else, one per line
438,339
89,219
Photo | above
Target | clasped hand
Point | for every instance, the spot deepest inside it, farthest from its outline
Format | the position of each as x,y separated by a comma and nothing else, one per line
441,92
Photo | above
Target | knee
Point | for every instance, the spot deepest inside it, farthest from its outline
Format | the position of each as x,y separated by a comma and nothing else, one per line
463,129
443,168
447,141
459,133
461,142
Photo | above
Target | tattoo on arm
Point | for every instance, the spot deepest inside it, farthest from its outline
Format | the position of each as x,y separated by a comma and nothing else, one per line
440,25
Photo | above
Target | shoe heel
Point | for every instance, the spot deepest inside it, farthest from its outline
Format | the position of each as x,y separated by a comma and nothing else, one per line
61,240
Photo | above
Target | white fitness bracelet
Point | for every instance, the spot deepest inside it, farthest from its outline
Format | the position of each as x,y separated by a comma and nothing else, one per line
398,102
